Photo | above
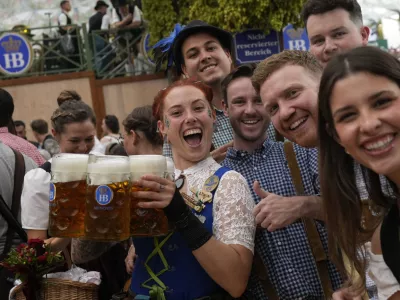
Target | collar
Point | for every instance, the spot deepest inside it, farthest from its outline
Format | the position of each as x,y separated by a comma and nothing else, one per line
233,153
4,129
204,164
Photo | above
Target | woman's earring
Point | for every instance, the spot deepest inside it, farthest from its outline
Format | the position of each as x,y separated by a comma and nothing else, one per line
215,126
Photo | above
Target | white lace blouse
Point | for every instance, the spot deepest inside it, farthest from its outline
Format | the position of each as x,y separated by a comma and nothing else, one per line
380,273
232,205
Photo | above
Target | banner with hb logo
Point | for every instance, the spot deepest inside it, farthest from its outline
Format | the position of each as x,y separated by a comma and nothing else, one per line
15,54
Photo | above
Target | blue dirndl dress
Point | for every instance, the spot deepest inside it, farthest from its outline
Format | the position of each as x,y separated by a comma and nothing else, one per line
185,279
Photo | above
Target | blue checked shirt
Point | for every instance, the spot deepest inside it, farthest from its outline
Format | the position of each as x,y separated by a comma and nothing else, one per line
223,133
285,252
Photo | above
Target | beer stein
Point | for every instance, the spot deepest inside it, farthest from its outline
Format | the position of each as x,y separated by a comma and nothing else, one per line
170,169
108,198
147,222
67,195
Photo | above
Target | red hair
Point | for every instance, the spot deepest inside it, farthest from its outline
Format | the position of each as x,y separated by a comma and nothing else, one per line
158,104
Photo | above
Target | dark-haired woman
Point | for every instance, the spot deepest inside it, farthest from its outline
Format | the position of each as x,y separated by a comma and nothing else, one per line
359,108
110,126
141,135
74,128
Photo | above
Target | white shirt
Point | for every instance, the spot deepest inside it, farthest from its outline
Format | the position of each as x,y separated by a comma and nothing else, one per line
137,14
62,18
382,276
233,204
35,200
105,22
98,148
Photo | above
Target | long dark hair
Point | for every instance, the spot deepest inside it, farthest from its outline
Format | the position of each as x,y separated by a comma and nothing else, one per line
342,200
142,119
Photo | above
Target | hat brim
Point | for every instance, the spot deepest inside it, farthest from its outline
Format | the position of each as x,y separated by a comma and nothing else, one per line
101,5
224,37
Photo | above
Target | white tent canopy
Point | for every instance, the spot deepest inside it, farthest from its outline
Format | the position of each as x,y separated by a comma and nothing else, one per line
33,12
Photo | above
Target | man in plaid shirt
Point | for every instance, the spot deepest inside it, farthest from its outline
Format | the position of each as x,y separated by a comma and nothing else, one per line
283,245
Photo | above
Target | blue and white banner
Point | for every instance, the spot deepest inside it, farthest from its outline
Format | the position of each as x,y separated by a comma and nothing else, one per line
295,39
15,54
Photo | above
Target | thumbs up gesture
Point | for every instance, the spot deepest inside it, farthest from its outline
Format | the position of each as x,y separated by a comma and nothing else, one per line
275,212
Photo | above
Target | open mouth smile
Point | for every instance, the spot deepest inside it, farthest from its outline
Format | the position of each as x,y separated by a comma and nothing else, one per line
193,137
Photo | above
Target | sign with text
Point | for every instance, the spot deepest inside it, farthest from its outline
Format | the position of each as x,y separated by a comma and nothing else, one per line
295,39
254,45
15,54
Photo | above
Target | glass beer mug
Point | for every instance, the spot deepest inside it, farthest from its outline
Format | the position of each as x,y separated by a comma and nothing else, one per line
67,195
108,198
147,222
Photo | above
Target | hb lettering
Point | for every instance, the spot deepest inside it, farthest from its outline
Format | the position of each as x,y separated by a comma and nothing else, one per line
14,60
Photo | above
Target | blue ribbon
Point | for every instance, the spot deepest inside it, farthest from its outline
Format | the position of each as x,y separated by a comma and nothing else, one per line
166,43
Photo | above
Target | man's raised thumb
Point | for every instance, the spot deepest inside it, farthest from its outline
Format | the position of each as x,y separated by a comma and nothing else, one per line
259,191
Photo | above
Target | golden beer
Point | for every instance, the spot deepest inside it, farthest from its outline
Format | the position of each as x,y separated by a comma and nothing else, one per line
108,198
67,195
147,222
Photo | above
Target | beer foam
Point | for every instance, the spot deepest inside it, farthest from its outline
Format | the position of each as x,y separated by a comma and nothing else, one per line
147,164
108,169
170,166
68,167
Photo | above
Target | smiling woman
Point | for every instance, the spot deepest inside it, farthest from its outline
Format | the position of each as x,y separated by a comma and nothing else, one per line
74,129
214,232
359,106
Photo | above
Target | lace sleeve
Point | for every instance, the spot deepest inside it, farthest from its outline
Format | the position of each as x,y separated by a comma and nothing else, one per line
233,211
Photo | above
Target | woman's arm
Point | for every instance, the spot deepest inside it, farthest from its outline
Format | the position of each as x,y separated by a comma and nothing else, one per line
83,251
226,256
227,265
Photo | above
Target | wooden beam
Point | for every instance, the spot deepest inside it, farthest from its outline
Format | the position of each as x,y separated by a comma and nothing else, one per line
44,78
120,80
97,103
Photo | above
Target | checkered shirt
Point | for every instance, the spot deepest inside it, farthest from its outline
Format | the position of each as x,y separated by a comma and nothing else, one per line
285,252
223,133
21,145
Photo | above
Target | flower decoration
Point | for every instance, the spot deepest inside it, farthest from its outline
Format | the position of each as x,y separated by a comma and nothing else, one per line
30,262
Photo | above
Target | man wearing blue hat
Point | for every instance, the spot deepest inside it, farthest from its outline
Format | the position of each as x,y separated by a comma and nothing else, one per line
206,52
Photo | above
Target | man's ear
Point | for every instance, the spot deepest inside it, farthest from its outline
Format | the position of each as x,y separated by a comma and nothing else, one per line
229,57
365,31
225,107
135,137
54,133
161,127
184,71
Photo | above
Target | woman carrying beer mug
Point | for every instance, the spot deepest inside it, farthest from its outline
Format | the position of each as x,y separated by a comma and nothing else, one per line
210,253
74,128
359,109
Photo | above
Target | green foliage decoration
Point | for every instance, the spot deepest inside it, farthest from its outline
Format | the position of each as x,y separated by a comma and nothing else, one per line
231,15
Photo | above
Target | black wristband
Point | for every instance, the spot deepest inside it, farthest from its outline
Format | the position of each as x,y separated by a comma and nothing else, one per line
192,230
